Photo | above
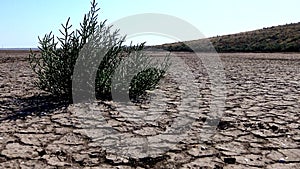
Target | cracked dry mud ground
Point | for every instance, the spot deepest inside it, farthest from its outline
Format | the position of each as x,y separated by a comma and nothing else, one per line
260,127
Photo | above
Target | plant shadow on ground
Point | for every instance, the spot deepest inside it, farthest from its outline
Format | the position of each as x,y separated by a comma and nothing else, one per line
37,105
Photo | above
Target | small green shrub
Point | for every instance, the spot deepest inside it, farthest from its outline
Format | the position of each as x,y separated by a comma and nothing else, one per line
55,64
145,80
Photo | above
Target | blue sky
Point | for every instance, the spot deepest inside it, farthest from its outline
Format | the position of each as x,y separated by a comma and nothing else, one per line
22,21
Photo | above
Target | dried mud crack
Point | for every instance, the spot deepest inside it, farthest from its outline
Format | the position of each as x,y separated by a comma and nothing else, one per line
260,127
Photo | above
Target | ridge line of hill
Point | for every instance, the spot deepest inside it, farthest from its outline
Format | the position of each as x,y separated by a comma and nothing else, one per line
282,38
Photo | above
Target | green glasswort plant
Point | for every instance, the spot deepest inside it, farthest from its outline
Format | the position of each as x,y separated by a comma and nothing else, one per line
55,63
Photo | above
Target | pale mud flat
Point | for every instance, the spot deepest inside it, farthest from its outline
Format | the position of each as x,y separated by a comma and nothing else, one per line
259,126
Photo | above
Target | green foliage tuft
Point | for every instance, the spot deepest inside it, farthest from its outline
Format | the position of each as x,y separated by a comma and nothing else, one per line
55,63
145,80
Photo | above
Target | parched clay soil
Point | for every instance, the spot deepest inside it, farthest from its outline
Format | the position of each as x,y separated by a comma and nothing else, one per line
259,126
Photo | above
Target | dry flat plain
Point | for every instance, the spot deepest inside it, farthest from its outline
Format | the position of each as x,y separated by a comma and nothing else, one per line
259,127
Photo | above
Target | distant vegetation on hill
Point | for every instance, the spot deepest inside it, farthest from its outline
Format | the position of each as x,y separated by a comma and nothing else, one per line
283,38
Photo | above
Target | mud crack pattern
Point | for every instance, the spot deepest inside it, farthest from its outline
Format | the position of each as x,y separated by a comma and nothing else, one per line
260,127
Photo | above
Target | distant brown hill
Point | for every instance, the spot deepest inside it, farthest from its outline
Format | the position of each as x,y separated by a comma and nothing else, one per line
283,38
